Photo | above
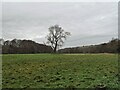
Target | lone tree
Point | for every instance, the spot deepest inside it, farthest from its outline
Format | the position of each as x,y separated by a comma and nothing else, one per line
56,37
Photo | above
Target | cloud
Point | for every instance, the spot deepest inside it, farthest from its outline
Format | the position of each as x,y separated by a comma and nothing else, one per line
88,22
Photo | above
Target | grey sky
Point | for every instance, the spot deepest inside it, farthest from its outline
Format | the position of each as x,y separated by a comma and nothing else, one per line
88,22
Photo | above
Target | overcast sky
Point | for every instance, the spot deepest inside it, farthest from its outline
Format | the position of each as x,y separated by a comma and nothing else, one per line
88,22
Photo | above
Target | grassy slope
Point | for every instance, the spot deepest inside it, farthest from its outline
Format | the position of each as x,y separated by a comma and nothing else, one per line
60,70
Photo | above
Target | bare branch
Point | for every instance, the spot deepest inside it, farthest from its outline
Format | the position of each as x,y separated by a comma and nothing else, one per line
56,36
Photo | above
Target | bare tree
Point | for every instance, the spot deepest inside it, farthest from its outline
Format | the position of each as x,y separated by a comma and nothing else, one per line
56,37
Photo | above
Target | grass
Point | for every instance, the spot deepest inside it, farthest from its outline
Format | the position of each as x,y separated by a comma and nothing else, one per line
60,71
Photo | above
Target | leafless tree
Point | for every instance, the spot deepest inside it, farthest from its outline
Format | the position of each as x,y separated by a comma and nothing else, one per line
56,37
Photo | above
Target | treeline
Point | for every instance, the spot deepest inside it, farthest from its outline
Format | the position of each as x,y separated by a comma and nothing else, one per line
112,46
16,46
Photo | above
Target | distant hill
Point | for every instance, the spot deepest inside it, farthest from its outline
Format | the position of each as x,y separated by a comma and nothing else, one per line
110,47
16,46
23,47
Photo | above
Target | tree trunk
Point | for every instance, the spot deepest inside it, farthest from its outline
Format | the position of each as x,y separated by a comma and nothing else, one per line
55,47
54,50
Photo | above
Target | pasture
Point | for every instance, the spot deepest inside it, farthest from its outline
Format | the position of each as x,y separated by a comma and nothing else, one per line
60,70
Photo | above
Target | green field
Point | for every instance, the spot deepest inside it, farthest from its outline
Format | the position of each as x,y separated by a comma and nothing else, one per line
60,71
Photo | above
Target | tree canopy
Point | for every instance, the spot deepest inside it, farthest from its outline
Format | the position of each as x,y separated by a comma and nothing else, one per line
56,36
